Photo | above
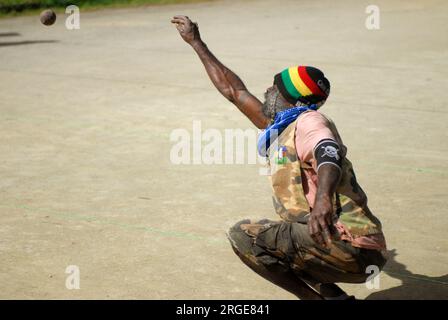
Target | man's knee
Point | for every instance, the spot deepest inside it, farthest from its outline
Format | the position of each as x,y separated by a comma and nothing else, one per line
238,238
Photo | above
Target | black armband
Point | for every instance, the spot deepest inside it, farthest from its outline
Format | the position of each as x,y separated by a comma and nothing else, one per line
328,151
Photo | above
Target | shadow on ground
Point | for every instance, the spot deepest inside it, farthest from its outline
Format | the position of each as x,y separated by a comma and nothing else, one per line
414,286
22,42
9,34
18,43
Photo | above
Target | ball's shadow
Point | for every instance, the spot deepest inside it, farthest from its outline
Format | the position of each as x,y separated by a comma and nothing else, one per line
9,34
20,42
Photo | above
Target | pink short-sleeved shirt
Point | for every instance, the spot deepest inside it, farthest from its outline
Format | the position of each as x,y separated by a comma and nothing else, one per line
312,127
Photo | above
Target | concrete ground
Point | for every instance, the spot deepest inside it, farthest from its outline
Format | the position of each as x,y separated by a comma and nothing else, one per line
86,117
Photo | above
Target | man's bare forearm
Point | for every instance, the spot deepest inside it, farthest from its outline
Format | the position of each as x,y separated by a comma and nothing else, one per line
227,82
223,78
328,177
231,86
320,222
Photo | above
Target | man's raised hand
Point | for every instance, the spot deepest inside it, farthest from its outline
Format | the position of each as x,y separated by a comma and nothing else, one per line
224,79
188,30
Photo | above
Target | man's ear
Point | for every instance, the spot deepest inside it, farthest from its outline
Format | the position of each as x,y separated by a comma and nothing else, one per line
280,96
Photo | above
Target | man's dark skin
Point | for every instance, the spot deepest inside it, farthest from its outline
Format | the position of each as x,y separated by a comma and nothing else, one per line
231,87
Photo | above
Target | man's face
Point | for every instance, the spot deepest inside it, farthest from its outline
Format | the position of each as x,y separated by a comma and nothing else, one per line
274,102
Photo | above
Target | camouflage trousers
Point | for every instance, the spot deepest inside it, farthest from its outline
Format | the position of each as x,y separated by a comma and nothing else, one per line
280,246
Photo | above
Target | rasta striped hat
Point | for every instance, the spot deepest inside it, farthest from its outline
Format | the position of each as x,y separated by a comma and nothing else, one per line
302,83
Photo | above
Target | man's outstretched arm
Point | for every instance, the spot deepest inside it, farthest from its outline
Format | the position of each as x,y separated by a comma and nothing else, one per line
227,82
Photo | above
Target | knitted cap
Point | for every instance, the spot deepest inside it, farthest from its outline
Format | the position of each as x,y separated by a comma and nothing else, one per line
302,83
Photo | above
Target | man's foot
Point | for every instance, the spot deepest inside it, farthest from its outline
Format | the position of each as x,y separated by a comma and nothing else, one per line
341,297
331,291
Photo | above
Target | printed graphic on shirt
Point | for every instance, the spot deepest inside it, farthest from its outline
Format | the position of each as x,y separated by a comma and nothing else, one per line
281,157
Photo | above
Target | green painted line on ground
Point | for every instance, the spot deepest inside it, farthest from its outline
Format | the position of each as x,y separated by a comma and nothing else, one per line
403,168
91,218
176,234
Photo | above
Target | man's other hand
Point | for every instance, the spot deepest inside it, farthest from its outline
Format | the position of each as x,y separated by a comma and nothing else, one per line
320,222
